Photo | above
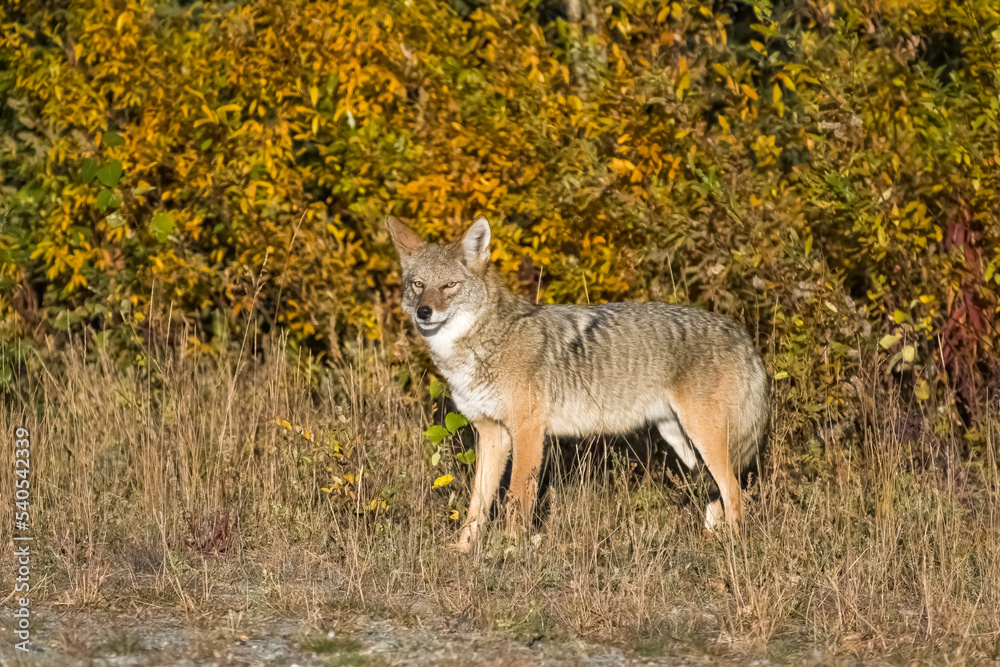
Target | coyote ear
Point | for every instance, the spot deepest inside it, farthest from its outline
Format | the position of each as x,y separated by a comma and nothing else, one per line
476,244
407,243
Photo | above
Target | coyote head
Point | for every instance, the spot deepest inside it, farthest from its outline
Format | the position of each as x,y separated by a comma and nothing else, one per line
443,284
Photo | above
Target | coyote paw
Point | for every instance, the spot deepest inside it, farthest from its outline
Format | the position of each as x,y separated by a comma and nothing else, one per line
713,517
719,523
466,540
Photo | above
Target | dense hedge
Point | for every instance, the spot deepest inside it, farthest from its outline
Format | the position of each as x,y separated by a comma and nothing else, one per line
827,172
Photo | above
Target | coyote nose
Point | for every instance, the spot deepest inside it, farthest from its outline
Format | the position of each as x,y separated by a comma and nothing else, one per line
424,312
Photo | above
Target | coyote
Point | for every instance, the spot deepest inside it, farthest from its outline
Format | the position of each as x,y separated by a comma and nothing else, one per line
520,371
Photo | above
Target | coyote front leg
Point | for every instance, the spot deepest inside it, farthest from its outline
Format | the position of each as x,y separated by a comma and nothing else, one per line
491,459
529,436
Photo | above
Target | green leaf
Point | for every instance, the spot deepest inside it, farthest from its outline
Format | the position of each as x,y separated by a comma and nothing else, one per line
108,199
64,320
455,421
109,174
781,375
115,220
104,198
436,433
435,458
888,341
467,457
162,225
437,388
112,139
88,170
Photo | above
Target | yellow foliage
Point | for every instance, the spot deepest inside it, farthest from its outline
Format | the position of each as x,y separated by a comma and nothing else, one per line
222,164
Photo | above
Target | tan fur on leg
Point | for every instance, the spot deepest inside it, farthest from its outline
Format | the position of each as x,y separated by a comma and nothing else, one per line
529,438
494,448
705,423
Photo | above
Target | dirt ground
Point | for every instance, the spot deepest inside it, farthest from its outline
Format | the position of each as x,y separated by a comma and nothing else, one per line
130,639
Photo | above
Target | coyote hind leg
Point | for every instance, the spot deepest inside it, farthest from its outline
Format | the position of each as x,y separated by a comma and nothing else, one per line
708,432
671,431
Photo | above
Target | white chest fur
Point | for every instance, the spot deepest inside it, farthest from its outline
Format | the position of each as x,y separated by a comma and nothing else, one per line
473,397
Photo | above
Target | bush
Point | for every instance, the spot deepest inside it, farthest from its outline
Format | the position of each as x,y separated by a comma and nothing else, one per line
826,172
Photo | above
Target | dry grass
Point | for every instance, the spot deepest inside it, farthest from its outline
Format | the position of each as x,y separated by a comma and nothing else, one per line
171,487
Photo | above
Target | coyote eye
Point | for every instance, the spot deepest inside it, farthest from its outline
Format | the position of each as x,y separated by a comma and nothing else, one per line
451,284
418,284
